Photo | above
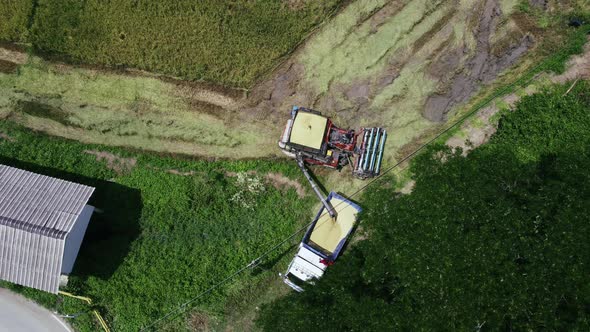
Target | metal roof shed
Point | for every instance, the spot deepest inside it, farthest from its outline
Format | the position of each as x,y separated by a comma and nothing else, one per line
42,224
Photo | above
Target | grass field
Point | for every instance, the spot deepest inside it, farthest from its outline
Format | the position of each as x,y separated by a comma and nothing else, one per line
230,43
170,228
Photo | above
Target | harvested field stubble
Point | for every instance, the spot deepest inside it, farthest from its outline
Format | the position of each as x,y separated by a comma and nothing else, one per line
403,65
131,110
410,66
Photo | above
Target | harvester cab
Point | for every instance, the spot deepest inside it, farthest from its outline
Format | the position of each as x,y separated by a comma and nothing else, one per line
317,141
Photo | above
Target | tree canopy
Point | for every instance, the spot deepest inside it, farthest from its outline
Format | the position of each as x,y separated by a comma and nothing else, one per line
496,240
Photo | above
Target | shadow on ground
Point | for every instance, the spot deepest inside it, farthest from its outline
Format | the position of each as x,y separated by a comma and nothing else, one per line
113,227
267,265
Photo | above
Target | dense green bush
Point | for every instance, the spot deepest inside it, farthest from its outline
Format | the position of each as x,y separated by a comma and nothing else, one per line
229,42
14,19
497,240
161,237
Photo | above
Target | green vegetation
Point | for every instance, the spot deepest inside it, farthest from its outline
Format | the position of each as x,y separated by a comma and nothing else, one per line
227,42
169,229
14,19
497,240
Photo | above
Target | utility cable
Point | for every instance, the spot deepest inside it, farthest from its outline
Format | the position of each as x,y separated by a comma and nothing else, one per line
253,263
256,261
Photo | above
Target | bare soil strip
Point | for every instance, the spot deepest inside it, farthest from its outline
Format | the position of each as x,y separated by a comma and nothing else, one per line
282,182
118,164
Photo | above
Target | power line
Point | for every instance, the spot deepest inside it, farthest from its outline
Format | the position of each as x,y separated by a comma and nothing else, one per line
207,291
298,231
256,261
253,263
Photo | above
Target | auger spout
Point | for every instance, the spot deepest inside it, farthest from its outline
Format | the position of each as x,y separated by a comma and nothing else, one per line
318,192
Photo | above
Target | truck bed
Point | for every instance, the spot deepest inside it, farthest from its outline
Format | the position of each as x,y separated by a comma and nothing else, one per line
330,235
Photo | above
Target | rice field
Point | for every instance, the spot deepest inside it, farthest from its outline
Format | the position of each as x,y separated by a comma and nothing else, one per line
229,43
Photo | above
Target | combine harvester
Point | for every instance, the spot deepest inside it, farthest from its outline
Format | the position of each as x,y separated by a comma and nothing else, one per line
313,139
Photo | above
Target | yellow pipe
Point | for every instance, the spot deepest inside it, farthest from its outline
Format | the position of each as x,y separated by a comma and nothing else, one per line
101,320
87,299
104,325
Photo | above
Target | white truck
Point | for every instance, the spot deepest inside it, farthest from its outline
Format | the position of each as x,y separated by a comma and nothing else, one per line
322,243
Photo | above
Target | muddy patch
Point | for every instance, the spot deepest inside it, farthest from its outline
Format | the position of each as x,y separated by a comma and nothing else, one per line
269,100
459,70
359,92
408,187
181,173
382,15
8,67
439,64
541,4
200,94
282,182
118,164
482,67
14,54
475,137
283,86
440,25
480,129
199,322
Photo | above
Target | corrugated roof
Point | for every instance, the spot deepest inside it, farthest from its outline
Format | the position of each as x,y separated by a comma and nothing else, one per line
38,203
36,214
